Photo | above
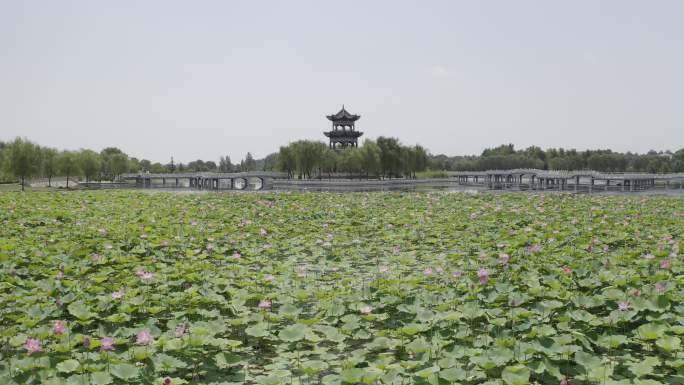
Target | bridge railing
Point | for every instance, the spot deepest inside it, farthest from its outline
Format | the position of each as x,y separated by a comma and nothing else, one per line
220,175
566,174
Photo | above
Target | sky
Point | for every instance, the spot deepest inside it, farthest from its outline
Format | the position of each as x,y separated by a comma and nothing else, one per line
203,79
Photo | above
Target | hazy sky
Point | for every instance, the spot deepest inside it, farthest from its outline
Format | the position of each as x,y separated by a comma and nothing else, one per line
201,79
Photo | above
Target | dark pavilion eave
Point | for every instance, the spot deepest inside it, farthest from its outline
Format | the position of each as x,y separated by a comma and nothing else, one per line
343,134
336,118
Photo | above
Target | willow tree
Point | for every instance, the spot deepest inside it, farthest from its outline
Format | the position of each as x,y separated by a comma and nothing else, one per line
23,159
370,158
89,162
286,160
391,159
67,165
49,163
308,156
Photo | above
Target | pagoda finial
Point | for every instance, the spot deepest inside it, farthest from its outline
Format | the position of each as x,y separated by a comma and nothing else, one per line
343,106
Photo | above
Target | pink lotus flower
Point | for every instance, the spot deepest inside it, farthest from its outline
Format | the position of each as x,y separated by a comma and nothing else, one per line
483,275
33,345
365,309
661,287
623,305
107,343
649,256
269,278
144,274
567,270
264,304
236,255
59,327
144,337
257,267
504,258
180,331
483,254
263,232
210,246
427,272
167,381
118,294
396,250
383,268
98,257
513,302
456,274
439,270
60,274
665,264
564,382
108,246
534,248
86,342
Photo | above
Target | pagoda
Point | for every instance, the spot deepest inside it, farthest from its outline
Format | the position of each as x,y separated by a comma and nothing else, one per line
343,133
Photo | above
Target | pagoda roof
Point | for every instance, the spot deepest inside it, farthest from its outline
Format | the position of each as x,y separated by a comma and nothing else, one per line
343,115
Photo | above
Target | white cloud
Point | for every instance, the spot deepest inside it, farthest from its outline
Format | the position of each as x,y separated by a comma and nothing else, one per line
440,72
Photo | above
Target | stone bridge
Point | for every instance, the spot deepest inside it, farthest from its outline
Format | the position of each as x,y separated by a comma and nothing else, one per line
253,180
516,179
582,180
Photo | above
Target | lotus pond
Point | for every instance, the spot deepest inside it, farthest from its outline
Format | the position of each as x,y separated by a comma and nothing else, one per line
121,287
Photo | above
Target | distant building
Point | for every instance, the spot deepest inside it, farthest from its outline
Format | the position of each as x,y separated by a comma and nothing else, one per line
343,133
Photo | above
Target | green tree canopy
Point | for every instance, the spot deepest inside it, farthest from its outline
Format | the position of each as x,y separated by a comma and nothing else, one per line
50,167
23,159
68,165
89,162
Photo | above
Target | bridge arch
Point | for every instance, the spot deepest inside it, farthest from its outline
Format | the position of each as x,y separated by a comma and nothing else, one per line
255,183
239,183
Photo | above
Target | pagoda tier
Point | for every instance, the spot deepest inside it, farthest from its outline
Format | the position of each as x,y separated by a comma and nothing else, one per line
343,115
343,134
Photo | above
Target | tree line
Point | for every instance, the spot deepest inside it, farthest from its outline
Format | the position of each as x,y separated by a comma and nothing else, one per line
22,159
507,157
384,157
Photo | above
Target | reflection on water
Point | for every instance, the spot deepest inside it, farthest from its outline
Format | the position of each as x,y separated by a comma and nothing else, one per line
405,188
